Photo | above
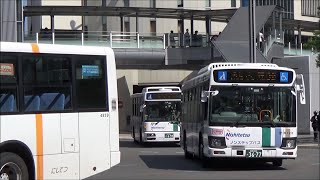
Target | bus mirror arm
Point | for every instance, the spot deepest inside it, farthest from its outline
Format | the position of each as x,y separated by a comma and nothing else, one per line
142,107
205,95
301,89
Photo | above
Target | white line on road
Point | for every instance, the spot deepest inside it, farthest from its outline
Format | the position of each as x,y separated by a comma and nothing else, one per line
180,152
314,164
124,165
154,152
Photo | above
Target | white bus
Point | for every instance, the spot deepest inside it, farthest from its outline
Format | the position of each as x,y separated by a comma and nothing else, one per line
156,114
59,116
240,110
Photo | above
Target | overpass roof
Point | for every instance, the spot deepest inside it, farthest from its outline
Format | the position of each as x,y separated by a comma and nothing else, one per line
217,15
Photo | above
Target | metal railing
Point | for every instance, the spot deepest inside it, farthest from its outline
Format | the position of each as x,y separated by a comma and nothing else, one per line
116,39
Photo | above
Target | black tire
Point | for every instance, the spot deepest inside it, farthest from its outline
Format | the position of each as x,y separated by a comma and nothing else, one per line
204,160
134,135
187,155
12,165
277,162
140,138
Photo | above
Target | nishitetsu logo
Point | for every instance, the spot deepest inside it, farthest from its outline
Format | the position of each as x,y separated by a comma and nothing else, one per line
237,135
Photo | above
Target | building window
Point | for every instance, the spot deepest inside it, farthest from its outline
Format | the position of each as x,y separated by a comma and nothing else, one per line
207,3
153,28
233,3
309,8
126,3
180,3
244,3
153,3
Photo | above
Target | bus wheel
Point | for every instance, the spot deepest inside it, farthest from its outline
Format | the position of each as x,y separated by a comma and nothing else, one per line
204,160
12,166
277,162
187,155
134,135
140,137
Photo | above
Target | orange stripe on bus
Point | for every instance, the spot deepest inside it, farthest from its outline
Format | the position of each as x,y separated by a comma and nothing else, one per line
35,48
39,136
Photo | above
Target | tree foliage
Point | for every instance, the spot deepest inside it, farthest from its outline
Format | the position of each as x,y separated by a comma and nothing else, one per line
314,42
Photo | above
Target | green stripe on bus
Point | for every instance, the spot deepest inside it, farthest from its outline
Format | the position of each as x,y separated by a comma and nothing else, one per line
266,137
175,127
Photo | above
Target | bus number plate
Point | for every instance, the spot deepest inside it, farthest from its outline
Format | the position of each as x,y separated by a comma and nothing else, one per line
168,135
253,153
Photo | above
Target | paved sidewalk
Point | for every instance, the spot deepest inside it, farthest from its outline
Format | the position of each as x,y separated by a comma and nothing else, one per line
304,141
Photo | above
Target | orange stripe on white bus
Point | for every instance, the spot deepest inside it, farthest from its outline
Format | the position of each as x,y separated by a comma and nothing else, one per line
35,48
39,136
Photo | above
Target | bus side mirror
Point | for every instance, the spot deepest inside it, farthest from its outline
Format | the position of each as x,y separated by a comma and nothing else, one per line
205,95
142,107
301,89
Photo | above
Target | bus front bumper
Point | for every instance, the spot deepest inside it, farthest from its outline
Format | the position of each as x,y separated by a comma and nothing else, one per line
161,136
251,153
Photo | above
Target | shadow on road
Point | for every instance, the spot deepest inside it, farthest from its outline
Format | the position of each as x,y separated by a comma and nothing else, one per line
131,144
178,162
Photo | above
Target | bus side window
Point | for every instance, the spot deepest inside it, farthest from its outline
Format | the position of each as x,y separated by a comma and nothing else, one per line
91,82
8,83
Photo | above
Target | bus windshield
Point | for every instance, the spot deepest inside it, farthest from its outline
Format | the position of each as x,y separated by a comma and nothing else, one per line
162,111
253,106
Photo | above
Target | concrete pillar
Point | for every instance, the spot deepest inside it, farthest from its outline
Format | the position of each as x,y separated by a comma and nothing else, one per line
299,35
182,32
121,23
208,27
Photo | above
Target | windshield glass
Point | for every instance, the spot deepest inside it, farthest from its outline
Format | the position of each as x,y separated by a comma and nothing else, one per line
162,111
253,106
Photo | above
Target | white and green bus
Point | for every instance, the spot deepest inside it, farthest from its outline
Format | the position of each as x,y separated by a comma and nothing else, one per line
240,110
58,111
156,114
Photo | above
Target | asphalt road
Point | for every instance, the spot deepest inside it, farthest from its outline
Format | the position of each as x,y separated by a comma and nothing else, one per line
168,162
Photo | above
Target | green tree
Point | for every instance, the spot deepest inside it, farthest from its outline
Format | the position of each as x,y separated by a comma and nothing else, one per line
314,42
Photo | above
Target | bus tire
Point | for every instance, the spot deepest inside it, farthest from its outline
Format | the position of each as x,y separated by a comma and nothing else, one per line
204,160
277,162
12,166
140,137
187,155
134,135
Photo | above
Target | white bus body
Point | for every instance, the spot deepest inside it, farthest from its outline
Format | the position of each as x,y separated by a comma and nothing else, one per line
240,110
156,114
49,127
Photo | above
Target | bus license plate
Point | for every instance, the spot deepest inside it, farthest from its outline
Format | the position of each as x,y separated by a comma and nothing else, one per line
168,135
253,153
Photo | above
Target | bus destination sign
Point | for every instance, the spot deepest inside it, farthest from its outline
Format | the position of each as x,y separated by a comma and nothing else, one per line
253,76
157,96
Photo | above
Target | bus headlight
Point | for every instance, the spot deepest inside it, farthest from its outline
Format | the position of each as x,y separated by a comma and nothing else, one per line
217,142
288,143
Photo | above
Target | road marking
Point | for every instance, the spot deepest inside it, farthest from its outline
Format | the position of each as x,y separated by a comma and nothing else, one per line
154,152
314,164
180,152
126,165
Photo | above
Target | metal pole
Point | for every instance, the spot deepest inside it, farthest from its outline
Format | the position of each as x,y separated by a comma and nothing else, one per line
252,31
111,39
289,47
37,38
82,39
138,40
53,38
164,41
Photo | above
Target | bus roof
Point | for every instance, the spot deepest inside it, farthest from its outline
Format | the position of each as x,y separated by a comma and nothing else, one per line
53,48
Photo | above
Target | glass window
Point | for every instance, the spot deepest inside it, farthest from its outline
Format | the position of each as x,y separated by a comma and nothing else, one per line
153,3
163,110
8,84
233,3
254,106
91,82
180,3
47,70
207,3
46,83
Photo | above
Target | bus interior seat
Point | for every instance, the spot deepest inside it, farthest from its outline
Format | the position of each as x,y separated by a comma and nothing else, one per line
52,101
31,103
7,102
